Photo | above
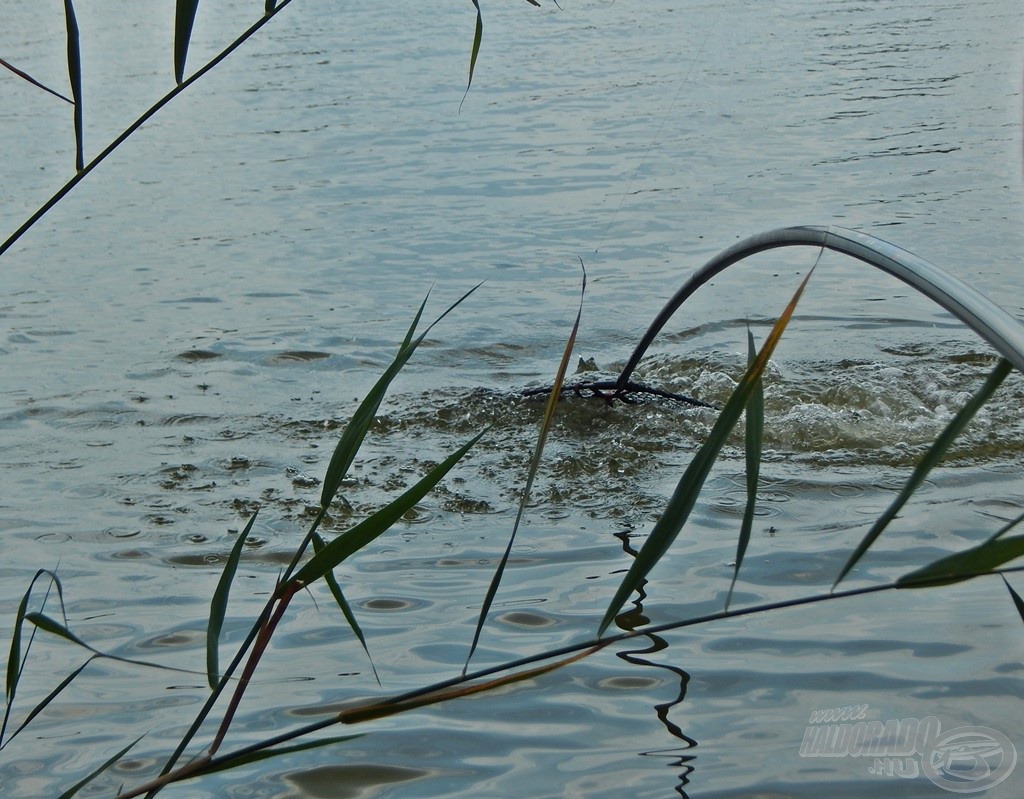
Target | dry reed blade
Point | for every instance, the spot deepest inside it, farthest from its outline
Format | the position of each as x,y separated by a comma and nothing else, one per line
692,482
545,427
384,709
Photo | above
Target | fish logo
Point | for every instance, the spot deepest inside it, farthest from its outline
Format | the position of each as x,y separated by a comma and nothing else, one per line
969,759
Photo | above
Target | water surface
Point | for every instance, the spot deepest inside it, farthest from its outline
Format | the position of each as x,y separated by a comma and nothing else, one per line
185,334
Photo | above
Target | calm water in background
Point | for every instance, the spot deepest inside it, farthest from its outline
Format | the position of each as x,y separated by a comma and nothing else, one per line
184,334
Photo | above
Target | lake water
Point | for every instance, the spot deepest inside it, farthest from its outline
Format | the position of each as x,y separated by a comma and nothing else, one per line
184,335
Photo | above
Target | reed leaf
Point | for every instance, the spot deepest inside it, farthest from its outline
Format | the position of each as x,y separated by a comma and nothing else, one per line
477,39
33,81
685,496
352,439
545,427
44,622
219,606
754,446
955,568
356,538
42,705
1017,601
70,792
346,608
184,17
78,177
14,659
928,461
75,77
236,760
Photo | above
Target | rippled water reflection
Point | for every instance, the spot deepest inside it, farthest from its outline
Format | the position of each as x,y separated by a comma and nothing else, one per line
185,335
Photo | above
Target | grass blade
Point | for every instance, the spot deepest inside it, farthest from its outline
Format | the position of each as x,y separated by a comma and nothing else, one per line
964,565
44,622
33,81
184,17
961,566
685,496
477,38
41,706
355,431
1017,601
356,538
754,447
219,606
14,661
346,608
928,461
236,760
75,76
78,786
549,415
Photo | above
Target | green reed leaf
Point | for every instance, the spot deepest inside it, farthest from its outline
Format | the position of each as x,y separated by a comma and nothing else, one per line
234,761
685,496
352,438
754,447
44,622
928,461
184,17
42,705
75,77
356,538
355,431
219,606
477,39
986,557
94,774
346,608
14,658
1017,601
545,427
